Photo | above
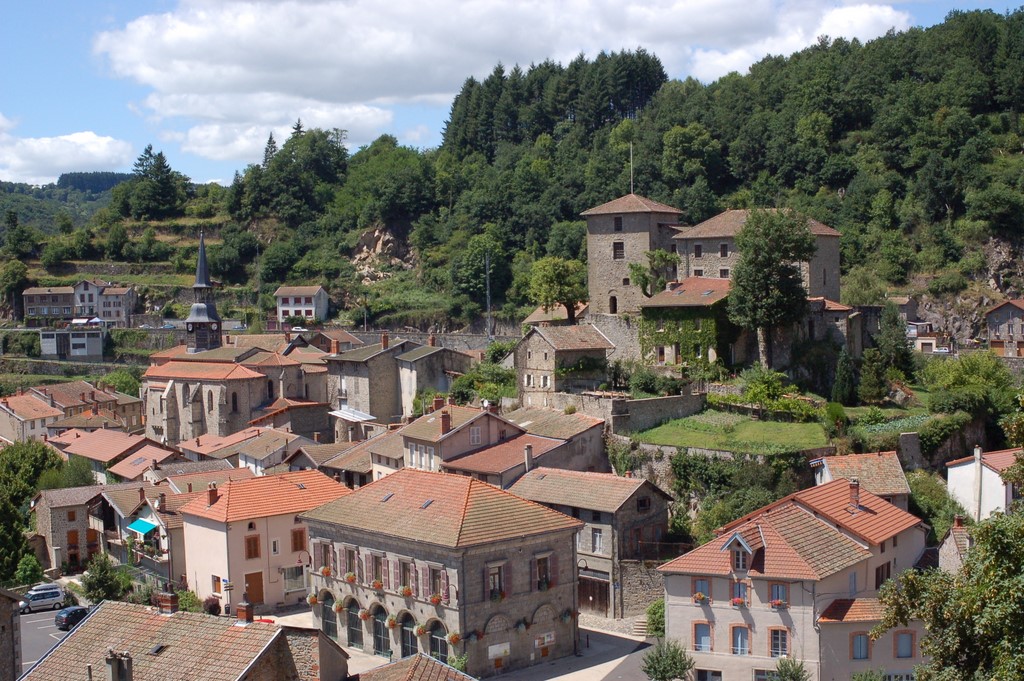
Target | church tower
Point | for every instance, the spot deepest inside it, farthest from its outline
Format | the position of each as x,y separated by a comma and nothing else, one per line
203,323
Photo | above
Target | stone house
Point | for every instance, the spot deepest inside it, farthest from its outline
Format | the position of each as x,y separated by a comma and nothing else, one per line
143,528
584,433
48,306
418,667
976,482
334,341
550,359
79,397
709,250
621,232
308,302
1004,328
428,368
415,562
366,381
624,520
799,577
71,523
505,462
10,636
954,545
158,473
246,536
688,323
125,641
880,473
24,418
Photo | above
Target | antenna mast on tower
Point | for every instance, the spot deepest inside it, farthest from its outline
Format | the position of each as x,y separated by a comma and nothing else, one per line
631,167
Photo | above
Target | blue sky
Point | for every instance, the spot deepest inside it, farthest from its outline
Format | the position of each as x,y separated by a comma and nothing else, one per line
89,85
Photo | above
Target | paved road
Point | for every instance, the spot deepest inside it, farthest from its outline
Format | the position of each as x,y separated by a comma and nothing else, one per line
38,635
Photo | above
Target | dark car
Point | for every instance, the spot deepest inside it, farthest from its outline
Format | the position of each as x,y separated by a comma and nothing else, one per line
67,618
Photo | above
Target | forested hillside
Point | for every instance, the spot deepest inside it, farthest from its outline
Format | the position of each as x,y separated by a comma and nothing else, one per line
911,145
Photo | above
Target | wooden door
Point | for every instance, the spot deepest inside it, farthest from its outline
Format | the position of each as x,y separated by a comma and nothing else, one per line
594,596
254,587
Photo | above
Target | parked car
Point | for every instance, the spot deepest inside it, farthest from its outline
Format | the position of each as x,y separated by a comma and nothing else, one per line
146,326
300,329
40,600
239,327
168,325
66,619
45,587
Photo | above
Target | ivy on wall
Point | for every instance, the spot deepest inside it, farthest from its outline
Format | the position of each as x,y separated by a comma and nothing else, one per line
692,328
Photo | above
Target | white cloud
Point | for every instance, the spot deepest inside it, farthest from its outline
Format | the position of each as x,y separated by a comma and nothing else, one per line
40,160
232,70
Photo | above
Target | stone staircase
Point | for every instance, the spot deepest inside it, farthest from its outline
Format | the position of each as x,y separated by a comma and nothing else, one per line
640,626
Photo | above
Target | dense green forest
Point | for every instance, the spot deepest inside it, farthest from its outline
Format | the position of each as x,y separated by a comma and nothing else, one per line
911,145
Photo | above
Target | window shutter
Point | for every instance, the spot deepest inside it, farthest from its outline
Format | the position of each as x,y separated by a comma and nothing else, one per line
533,574
506,579
369,568
414,575
359,568
425,581
445,598
386,573
486,585
344,560
552,570
396,574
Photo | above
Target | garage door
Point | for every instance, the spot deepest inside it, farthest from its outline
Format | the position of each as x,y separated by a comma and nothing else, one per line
594,596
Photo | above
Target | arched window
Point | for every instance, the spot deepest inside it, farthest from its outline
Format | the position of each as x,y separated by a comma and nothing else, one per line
354,625
209,401
439,642
234,403
329,618
381,637
613,305
408,635
270,390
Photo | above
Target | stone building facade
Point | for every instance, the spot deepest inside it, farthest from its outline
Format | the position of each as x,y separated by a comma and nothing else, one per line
10,636
366,379
551,359
621,232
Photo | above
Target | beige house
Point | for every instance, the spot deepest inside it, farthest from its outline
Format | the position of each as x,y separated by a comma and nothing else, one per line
428,368
954,545
308,302
246,536
709,250
625,520
880,473
445,565
550,359
45,306
799,578
24,418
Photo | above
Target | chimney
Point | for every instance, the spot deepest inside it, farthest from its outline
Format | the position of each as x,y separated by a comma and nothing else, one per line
978,473
190,488
53,403
161,502
155,466
438,402
854,495
287,336
451,401
432,340
337,477
528,457
316,437
142,494
958,520
92,395
197,440
384,340
492,407
227,339
95,407
446,422
335,346
81,397
211,494
244,610
167,601
119,665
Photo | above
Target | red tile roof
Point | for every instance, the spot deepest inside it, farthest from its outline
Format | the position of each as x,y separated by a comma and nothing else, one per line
340,335
200,479
417,667
74,394
557,313
28,407
830,305
136,463
191,371
577,337
207,444
428,426
729,223
287,493
595,491
691,292
631,203
1017,302
268,359
853,610
503,456
441,509
105,445
998,460
297,290
37,290
552,422
878,472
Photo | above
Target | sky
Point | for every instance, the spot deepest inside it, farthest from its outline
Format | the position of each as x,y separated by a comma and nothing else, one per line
87,85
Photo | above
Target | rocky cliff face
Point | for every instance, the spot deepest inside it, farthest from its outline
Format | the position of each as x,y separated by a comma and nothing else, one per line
379,250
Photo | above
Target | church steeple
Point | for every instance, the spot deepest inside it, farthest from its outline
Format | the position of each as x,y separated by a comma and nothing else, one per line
203,324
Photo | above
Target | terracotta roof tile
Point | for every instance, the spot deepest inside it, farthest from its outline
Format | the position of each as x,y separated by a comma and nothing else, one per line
127,500
340,335
503,456
102,418
319,454
105,445
369,351
170,515
605,492
879,472
288,493
208,444
552,422
631,203
998,460
428,426
442,509
191,371
263,341
578,337
418,667
691,292
830,305
557,313
729,224
136,463
853,610
41,290
28,407
1017,302
187,467
73,394
297,290
356,459
201,479
77,496
209,648
268,359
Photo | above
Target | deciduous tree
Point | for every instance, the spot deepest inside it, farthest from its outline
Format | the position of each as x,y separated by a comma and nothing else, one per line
556,281
666,661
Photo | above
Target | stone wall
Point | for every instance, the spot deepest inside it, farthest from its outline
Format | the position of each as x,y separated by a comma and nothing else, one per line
455,341
10,638
622,330
623,415
641,584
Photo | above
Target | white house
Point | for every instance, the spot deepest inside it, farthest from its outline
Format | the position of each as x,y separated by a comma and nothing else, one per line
310,302
977,483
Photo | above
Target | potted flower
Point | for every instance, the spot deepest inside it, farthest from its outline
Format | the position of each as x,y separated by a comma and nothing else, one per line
311,599
435,599
405,591
778,603
738,602
454,638
377,585
699,597
421,630
364,614
392,622
325,571
543,585
497,596
337,607
350,577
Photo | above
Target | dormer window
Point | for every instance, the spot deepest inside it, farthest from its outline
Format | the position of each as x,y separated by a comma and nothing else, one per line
740,559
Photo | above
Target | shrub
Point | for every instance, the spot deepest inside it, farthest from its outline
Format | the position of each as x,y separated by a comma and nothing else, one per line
29,570
873,416
835,420
941,428
947,283
569,409
969,398
211,605
643,381
189,601
656,618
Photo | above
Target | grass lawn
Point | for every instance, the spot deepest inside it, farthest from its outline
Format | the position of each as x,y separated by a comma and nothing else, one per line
732,432
920,406
27,380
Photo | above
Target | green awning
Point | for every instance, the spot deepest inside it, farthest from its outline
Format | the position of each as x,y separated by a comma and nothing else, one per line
141,526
